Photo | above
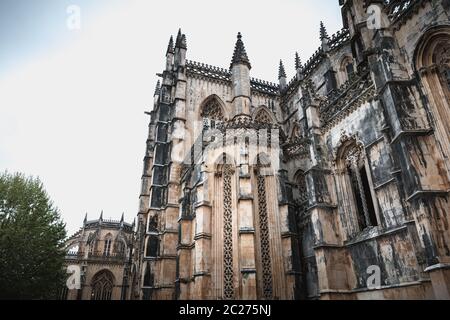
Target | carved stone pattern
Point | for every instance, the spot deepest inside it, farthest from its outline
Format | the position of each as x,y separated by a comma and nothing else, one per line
302,189
297,148
442,59
263,117
340,103
354,155
220,75
213,111
228,274
264,235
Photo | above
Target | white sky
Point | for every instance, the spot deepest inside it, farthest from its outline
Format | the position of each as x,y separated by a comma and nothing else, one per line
72,112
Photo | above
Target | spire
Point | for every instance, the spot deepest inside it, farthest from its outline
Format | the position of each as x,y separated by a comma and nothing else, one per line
122,218
323,32
170,46
298,62
157,89
177,43
85,219
281,71
240,55
181,40
101,216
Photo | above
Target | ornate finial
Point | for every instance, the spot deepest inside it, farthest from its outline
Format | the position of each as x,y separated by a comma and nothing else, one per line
323,32
170,46
298,61
158,88
240,55
281,71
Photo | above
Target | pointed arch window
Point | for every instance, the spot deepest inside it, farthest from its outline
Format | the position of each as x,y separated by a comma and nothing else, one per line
346,69
364,203
152,246
102,286
212,114
433,64
107,246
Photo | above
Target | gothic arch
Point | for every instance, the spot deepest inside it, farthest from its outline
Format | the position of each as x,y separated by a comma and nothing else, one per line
432,64
301,198
295,131
102,285
213,108
263,114
357,202
107,244
345,68
120,245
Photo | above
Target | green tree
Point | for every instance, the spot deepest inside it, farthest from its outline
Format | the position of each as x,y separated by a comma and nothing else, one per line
31,240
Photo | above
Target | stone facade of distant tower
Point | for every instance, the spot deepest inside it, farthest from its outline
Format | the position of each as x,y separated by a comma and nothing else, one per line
98,257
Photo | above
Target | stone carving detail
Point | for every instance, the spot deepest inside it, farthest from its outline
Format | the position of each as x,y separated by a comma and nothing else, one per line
354,155
212,114
264,238
263,117
302,189
442,58
297,148
343,101
228,273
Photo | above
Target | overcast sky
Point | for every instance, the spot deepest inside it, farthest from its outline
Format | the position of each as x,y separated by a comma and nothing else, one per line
72,102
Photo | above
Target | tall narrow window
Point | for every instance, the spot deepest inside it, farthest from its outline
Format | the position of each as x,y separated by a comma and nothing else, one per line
107,246
148,277
152,246
361,188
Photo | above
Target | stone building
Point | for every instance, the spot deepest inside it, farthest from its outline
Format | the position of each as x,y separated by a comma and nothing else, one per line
99,256
334,185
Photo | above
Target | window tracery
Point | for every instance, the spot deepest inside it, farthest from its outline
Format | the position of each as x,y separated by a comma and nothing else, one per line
102,286
212,114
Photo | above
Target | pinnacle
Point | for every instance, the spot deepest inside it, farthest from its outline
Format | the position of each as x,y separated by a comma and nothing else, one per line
181,40
281,71
298,61
240,55
170,46
323,31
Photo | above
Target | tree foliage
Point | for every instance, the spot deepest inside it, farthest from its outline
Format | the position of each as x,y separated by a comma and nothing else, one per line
32,238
